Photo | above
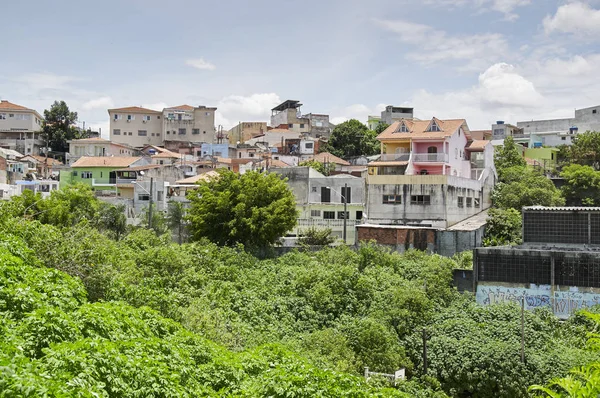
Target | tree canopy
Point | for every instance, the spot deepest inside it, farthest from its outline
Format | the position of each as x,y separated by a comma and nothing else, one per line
352,138
254,209
508,156
322,168
582,185
523,186
59,126
585,149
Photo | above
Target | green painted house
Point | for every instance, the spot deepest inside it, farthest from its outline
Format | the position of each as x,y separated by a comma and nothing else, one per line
98,171
543,157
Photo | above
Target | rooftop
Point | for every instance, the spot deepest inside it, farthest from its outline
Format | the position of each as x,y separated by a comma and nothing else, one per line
9,106
200,177
105,161
418,129
133,109
287,104
329,158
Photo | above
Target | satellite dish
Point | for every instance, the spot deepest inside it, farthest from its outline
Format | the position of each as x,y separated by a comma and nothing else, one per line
142,172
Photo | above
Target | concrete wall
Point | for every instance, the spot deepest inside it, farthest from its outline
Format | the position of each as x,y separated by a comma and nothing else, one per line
199,125
585,119
563,300
128,132
220,150
16,122
245,131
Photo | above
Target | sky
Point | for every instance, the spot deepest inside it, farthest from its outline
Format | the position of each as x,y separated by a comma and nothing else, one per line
482,60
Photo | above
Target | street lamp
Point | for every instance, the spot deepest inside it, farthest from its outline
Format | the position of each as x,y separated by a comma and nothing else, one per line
345,209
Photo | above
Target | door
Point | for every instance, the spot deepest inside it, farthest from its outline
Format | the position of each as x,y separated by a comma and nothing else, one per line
112,177
432,154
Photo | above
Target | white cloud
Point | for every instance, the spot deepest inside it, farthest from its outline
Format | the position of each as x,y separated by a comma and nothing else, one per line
238,108
470,52
359,112
98,103
45,80
577,18
505,7
501,86
200,63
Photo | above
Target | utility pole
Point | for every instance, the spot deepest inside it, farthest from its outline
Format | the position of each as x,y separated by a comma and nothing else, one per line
424,351
345,212
151,203
523,329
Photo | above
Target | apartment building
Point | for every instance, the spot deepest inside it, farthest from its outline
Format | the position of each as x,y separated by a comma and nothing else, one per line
245,131
556,132
97,147
135,126
288,115
189,124
20,128
430,174
393,113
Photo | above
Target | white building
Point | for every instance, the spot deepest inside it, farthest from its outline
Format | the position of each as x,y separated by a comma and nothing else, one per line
20,128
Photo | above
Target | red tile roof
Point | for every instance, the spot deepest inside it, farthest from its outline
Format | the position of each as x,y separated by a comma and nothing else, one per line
105,161
9,106
182,107
327,157
418,129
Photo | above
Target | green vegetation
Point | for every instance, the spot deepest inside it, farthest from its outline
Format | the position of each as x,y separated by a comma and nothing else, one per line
352,138
59,126
323,168
87,314
252,209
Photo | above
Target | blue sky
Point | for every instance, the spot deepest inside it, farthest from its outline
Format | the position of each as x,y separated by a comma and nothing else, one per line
483,60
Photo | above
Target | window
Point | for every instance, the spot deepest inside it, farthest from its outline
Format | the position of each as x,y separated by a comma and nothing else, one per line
130,133
455,153
86,174
315,213
152,134
2,116
392,199
359,214
159,196
434,127
469,202
21,116
329,215
195,131
291,125
168,132
182,131
11,115
325,195
346,193
118,117
313,189
158,117
116,132
476,200
143,196
594,111
147,118
461,201
204,132
563,138
340,215
130,117
309,145
142,133
420,200
403,128
302,124
207,113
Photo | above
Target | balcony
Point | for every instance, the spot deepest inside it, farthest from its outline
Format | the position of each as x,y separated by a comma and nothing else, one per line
430,158
395,157
318,222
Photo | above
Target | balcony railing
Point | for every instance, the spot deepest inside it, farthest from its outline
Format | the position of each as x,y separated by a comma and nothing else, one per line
395,157
430,157
126,180
318,222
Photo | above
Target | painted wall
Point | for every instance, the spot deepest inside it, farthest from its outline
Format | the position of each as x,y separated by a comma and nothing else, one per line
16,122
125,132
565,301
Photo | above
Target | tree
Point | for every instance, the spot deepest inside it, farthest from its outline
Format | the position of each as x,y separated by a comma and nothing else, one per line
253,209
585,149
322,168
522,186
351,139
503,227
159,220
508,156
582,185
317,237
381,127
59,126
113,219
176,219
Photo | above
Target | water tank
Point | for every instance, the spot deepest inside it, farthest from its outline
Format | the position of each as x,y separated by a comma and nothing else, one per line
500,122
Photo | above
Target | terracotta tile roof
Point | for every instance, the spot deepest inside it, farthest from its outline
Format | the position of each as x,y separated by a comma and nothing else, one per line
478,145
156,148
278,163
327,157
9,106
167,155
105,161
200,177
42,159
134,109
182,108
417,129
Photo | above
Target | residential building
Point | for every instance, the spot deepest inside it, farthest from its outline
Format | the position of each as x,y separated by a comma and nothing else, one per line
245,131
555,267
481,134
97,147
556,132
289,116
219,150
392,114
545,158
40,165
98,172
328,159
373,122
430,174
189,124
20,128
135,126
320,200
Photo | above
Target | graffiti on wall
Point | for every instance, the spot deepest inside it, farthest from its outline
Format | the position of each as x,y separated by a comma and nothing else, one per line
563,303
